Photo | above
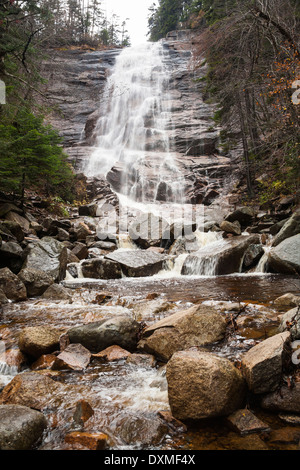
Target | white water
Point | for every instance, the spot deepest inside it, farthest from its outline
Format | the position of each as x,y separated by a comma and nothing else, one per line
134,126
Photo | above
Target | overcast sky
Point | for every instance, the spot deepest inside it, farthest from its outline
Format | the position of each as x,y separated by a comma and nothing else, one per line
136,11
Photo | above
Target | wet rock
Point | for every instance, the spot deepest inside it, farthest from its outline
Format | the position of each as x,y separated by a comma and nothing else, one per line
71,258
138,263
252,256
289,229
100,268
31,389
147,230
80,250
285,257
198,326
231,227
83,412
145,430
173,423
13,358
97,336
74,357
91,441
245,422
285,399
290,418
57,292
20,427
287,435
50,256
291,322
73,270
36,281
262,365
46,361
12,286
202,385
105,246
142,360
220,258
287,301
112,353
38,340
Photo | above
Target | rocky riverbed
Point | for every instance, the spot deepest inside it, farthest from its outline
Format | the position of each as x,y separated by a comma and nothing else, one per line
106,345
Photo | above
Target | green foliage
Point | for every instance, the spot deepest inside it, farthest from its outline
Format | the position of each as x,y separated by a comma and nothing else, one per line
32,157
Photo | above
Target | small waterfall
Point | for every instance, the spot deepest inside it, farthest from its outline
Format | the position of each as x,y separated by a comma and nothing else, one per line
134,128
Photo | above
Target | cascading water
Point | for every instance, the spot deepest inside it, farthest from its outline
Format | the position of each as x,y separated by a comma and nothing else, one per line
133,132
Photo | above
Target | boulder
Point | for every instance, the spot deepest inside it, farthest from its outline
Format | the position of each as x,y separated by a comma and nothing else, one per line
144,429
290,321
3,298
88,210
202,385
147,230
244,215
198,326
31,389
101,268
252,256
285,257
62,235
48,255
219,258
287,301
231,227
81,231
91,441
11,256
12,286
20,427
137,263
57,292
262,365
97,336
80,250
36,281
245,422
38,340
18,219
290,228
286,399
111,354
74,357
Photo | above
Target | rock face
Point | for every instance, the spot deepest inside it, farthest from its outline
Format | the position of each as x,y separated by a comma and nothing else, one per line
138,263
202,385
38,340
121,331
197,326
36,281
20,427
12,286
285,257
262,365
219,258
50,256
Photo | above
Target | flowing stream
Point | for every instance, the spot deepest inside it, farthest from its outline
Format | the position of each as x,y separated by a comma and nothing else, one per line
135,133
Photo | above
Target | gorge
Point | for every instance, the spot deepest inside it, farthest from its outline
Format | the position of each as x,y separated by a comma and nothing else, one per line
160,277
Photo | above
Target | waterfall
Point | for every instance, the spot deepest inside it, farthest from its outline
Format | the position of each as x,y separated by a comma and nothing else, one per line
135,126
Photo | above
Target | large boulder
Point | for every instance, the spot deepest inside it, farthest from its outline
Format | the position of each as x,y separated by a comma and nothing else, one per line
147,230
262,365
197,326
138,263
101,268
36,281
219,258
48,255
11,256
20,427
285,257
121,331
202,385
290,321
244,215
290,228
38,340
12,286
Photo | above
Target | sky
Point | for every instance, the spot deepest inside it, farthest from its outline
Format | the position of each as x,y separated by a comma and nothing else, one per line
136,11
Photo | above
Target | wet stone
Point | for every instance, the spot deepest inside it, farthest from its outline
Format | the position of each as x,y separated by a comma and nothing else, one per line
74,356
83,412
91,441
245,422
112,353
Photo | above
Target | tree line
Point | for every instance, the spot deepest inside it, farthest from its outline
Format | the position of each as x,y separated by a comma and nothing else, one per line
252,52
31,151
